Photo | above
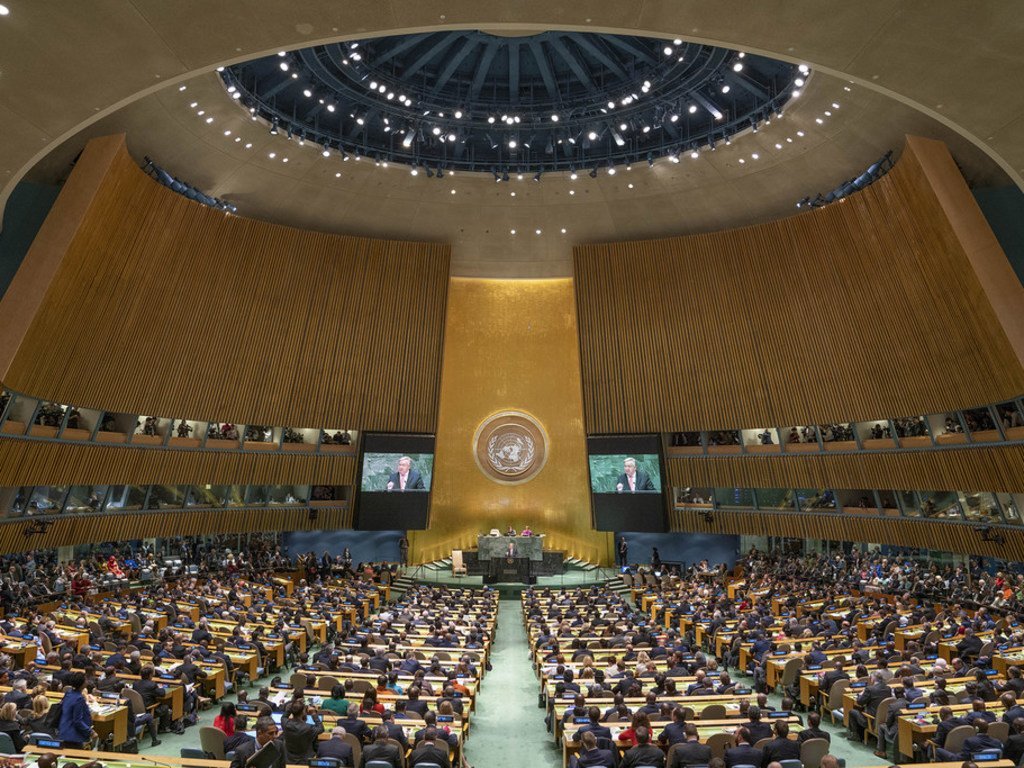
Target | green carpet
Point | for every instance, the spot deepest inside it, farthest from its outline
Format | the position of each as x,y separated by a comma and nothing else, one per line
508,727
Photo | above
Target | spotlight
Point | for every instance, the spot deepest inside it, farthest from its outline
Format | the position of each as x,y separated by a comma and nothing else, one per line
593,173
592,135
326,151
554,118
284,66
692,109
695,154
512,144
611,168
409,136
273,127
737,67
504,175
536,176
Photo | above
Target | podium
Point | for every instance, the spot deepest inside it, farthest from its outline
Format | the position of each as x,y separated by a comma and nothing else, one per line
509,569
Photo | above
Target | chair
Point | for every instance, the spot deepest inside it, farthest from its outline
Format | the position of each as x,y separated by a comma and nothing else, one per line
401,752
762,743
212,740
138,707
458,565
880,716
326,682
999,730
713,712
297,680
718,743
191,753
376,764
955,738
792,763
6,744
811,752
357,750
790,674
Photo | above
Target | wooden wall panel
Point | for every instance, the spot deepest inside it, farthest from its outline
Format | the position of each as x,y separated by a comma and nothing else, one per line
89,529
165,307
865,309
999,468
944,537
28,462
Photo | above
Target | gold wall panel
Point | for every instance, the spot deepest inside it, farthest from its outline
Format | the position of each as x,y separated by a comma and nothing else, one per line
165,307
511,345
939,536
869,308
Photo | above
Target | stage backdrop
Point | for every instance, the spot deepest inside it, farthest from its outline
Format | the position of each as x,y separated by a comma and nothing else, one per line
511,345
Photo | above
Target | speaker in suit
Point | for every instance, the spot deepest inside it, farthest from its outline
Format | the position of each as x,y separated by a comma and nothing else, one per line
641,482
413,478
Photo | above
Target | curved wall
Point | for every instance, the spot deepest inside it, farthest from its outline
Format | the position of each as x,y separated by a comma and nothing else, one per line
159,305
877,305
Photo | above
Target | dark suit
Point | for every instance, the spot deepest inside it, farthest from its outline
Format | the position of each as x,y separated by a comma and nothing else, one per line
247,750
641,481
357,728
690,753
944,727
596,758
673,734
300,738
236,740
830,679
814,733
759,730
599,731
780,749
335,748
643,754
386,752
430,753
413,481
744,754
1013,750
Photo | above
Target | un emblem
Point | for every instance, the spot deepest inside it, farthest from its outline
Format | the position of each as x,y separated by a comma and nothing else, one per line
510,447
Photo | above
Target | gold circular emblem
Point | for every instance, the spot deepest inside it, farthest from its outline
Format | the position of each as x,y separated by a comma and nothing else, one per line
510,447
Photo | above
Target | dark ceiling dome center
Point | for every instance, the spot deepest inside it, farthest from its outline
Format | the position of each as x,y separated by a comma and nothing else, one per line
472,100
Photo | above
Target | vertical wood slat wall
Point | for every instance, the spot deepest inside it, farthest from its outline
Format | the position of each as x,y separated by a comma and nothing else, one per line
981,468
29,462
165,307
89,529
865,309
938,536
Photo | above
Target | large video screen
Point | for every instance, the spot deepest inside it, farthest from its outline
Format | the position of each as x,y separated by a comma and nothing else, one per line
396,473
626,482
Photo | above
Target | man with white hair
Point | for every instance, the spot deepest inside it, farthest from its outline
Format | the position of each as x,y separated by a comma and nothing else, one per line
632,479
336,747
405,478
19,694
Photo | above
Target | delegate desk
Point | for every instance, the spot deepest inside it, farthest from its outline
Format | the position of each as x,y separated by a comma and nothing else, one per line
491,547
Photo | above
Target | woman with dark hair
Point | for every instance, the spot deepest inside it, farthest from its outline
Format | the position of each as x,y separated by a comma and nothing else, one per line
225,721
337,703
629,735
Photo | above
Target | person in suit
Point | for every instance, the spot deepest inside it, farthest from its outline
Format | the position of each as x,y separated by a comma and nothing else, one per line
743,753
239,737
758,730
152,695
266,738
429,751
946,724
19,695
632,479
690,751
781,747
868,702
299,737
405,478
352,724
590,756
395,731
976,743
512,550
594,726
1013,750
381,750
1012,709
644,753
970,645
831,677
674,732
813,729
336,747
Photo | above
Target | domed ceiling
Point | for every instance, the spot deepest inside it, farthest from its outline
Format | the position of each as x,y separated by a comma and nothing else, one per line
469,100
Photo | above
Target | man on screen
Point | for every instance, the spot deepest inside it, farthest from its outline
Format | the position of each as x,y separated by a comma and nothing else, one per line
405,478
632,479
